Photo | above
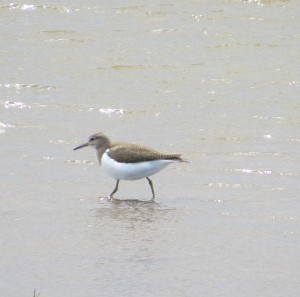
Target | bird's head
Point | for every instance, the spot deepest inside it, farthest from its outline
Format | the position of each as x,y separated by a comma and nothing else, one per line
98,140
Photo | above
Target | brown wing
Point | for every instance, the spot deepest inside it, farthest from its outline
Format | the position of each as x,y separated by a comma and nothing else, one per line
133,153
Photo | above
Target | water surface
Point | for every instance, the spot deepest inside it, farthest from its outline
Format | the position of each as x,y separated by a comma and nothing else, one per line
215,80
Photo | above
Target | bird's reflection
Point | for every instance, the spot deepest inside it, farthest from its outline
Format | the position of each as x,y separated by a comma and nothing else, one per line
131,211
131,202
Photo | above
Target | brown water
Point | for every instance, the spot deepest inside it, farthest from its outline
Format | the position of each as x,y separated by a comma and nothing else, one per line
215,80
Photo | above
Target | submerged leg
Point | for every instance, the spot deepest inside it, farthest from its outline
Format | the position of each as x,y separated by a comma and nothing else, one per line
115,189
151,186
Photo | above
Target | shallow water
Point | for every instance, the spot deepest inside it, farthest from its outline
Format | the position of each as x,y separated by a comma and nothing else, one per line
215,80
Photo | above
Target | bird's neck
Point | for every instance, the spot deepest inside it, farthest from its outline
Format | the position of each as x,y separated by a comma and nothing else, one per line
100,152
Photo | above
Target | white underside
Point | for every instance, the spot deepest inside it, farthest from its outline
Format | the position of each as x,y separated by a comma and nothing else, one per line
132,171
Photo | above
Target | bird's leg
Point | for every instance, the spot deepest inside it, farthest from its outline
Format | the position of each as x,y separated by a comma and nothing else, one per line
151,186
115,189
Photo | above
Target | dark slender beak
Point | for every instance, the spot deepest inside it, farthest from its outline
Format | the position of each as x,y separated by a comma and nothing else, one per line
81,146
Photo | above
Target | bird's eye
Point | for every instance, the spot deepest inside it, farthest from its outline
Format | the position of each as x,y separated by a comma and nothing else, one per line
92,138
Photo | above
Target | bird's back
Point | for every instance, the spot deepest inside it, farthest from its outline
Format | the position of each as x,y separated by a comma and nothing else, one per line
134,153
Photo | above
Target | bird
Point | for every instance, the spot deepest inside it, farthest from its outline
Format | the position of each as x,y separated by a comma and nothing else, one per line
128,161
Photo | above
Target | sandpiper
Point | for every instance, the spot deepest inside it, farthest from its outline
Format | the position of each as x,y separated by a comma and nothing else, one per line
127,161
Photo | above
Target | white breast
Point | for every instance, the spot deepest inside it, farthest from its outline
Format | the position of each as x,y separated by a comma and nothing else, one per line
131,171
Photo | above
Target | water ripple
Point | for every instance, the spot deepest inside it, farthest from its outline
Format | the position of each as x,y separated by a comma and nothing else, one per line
80,162
14,104
27,86
32,7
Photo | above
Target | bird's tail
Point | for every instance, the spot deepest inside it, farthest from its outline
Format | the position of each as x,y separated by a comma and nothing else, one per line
177,157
